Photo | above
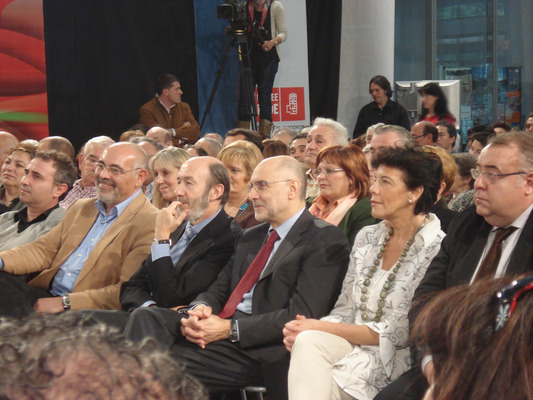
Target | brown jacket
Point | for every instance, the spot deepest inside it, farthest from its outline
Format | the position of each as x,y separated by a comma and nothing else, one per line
116,256
153,113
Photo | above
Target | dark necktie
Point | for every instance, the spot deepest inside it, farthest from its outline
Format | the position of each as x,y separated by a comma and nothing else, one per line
250,277
489,265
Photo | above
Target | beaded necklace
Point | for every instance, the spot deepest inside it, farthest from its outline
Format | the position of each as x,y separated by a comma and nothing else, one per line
390,279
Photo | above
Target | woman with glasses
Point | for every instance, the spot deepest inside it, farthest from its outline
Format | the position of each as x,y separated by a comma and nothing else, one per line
240,159
12,173
480,340
364,343
165,165
343,177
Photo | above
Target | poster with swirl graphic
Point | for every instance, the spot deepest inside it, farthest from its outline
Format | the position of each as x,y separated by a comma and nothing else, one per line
23,101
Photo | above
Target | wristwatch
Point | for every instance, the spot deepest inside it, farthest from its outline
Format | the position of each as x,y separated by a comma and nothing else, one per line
66,302
162,241
233,333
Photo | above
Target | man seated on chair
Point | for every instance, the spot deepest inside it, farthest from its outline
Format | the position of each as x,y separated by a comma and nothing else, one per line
234,329
96,246
47,178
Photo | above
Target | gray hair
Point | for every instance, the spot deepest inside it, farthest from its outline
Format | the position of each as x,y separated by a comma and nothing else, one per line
340,130
403,134
524,143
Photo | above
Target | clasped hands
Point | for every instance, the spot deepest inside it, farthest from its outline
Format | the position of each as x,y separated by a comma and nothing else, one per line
293,328
203,327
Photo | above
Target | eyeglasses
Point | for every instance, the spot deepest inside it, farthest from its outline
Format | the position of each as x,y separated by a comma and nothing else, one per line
115,171
326,171
91,161
492,177
508,297
416,137
260,186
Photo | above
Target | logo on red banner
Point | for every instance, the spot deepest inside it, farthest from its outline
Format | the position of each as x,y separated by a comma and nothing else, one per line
288,104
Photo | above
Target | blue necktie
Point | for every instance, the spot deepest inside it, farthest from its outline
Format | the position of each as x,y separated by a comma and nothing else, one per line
182,243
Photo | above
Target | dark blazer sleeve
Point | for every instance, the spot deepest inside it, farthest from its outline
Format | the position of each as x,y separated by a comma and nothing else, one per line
361,124
303,277
404,118
172,285
357,217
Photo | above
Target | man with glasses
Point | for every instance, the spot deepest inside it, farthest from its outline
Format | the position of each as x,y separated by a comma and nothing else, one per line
292,264
425,133
97,245
487,241
84,188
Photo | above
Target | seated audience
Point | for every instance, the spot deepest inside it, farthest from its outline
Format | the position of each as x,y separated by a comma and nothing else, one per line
501,127
389,136
7,141
370,132
47,178
233,335
127,135
363,343
324,133
12,173
480,339
440,209
476,129
96,246
344,180
297,147
215,136
211,146
84,188
425,133
240,158
477,142
243,134
195,151
463,184
168,111
165,166
160,135
447,135
284,134
140,127
273,148
58,143
60,357
150,147
528,127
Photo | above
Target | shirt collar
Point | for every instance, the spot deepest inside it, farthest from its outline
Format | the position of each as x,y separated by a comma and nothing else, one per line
119,208
22,215
286,226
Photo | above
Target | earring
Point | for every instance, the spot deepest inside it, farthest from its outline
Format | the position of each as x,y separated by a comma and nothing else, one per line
410,201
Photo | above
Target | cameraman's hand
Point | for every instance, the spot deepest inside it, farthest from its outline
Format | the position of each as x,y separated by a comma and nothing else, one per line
268,45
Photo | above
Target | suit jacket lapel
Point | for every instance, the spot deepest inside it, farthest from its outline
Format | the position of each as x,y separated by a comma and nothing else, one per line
521,256
288,244
474,252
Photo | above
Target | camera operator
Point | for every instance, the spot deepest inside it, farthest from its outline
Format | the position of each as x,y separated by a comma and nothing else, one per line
266,31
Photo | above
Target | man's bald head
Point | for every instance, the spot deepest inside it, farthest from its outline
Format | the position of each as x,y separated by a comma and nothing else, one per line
58,143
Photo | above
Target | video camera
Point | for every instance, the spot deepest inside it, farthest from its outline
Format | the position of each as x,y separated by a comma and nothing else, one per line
236,12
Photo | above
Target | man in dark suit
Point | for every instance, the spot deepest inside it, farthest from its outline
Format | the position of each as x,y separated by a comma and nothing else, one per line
302,275
503,197
194,239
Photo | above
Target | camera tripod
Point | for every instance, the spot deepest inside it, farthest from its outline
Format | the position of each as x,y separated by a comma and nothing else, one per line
239,39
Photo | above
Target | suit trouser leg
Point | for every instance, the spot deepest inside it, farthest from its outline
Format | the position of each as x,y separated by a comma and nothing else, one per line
220,366
411,385
160,324
112,318
16,297
311,371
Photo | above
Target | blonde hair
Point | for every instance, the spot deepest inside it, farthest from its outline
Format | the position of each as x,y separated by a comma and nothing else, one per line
171,158
244,152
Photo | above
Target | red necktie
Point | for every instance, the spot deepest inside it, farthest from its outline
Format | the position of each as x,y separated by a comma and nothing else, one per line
488,266
251,276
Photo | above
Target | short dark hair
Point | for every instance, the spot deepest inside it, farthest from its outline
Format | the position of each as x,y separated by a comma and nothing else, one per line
218,175
383,83
481,137
450,128
164,81
66,172
479,128
430,129
419,168
251,136
503,125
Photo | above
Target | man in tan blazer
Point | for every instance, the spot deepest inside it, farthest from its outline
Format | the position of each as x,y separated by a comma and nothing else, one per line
82,262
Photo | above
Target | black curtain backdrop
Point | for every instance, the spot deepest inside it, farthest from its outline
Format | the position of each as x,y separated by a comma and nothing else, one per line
324,50
102,59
